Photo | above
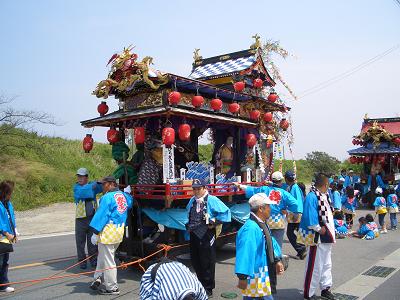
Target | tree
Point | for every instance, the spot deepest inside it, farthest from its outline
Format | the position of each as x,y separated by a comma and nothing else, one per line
18,125
323,162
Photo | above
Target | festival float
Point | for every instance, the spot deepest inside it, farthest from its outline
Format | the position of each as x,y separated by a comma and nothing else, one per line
379,154
162,117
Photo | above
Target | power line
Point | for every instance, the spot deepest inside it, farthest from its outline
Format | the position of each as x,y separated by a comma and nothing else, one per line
397,2
348,73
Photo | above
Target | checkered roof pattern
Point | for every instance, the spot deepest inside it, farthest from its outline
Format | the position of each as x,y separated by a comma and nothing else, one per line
223,67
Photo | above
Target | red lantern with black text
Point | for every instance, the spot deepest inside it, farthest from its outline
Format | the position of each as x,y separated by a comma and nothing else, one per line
234,108
251,140
258,83
87,143
284,124
184,132
268,117
139,135
272,97
112,135
239,86
197,101
102,108
174,98
216,104
255,114
168,136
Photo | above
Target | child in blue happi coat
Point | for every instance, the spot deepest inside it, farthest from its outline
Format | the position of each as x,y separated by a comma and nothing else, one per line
392,204
380,208
368,228
341,230
349,205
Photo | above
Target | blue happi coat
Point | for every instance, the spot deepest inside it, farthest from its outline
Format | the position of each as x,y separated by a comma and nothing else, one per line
84,193
369,231
297,193
380,205
392,203
5,223
110,218
349,205
216,209
351,181
341,228
379,182
306,235
336,200
286,202
251,259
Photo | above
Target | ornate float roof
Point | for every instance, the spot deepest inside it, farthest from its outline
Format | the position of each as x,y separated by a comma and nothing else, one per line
228,65
391,125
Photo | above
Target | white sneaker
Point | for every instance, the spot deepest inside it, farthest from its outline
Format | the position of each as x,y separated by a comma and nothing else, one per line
384,231
8,289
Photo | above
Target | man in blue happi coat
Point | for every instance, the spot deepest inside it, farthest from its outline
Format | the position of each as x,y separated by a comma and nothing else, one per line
86,204
258,255
351,179
205,214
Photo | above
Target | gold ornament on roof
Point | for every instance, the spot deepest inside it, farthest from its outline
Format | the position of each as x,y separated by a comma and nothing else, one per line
376,134
196,55
257,42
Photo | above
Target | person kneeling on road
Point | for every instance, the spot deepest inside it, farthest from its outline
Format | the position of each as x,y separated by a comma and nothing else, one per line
108,225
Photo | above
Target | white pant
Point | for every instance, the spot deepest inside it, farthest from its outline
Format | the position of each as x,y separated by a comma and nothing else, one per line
106,259
318,269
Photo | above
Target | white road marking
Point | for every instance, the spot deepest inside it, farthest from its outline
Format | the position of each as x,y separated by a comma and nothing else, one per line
39,236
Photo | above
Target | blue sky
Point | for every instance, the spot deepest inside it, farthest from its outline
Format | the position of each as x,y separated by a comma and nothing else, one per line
54,52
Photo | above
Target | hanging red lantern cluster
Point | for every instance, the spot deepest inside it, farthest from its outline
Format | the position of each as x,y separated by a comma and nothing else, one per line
184,132
112,135
197,101
251,140
268,117
168,136
257,83
102,108
255,114
239,86
139,135
174,98
396,141
284,124
272,97
216,104
357,142
367,159
234,108
356,160
87,143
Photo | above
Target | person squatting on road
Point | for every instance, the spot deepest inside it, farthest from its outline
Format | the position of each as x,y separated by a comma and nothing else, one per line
8,232
86,204
317,232
294,219
108,225
170,280
258,255
206,213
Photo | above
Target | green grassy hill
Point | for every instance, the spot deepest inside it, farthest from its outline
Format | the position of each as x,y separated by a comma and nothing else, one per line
43,168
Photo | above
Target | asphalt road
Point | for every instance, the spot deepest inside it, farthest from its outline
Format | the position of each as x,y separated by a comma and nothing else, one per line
36,258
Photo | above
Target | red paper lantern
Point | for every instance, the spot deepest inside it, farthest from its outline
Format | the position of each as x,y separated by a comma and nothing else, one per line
284,124
239,86
112,135
197,101
272,97
168,136
360,160
268,117
354,142
87,143
234,108
396,141
255,114
102,108
174,98
184,132
258,83
216,104
353,159
367,159
251,140
139,135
